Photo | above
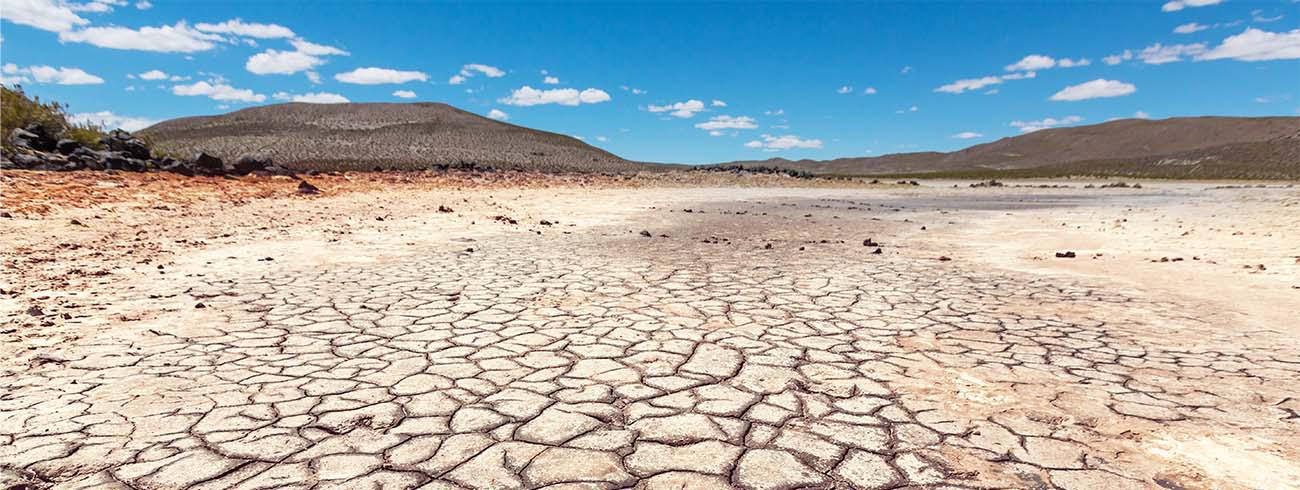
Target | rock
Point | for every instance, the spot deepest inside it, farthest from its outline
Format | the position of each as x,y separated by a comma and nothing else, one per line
122,141
305,187
66,146
870,243
1065,255
444,209
877,251
944,258
248,164
208,164
645,233
34,137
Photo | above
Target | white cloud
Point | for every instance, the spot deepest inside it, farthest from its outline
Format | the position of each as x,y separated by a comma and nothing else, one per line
313,77
869,91
312,97
1257,15
304,46
905,70
218,91
679,109
179,38
48,74
774,112
727,122
405,94
498,114
1257,45
1031,126
1177,5
468,71
153,75
1032,62
1141,115
551,80
109,120
1190,27
376,76
1158,54
602,139
144,5
717,103
247,29
47,15
1069,63
965,135
844,90
1116,59
963,85
784,142
528,96
273,62
1095,89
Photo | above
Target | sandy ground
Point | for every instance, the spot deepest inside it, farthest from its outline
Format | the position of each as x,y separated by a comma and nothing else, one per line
163,332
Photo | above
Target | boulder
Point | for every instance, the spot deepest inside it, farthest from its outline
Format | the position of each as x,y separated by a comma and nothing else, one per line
208,164
119,140
38,140
248,164
66,146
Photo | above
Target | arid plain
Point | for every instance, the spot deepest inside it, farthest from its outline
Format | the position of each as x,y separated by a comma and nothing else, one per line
419,330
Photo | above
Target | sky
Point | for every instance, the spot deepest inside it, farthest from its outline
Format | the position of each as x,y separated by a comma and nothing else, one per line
674,82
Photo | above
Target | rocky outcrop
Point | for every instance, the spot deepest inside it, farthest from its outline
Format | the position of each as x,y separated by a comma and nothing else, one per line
35,147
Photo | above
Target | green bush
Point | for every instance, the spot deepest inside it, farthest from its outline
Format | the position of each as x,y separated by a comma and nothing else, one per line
17,110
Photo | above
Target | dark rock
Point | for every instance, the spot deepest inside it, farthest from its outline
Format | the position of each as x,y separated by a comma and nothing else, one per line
444,209
877,251
1065,255
66,146
305,187
122,141
944,258
870,243
208,164
34,136
645,233
35,311
248,164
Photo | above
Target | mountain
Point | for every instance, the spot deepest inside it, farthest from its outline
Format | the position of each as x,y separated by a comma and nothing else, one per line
364,136
1207,147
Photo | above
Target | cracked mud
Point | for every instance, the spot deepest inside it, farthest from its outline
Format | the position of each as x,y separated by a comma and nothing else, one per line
604,359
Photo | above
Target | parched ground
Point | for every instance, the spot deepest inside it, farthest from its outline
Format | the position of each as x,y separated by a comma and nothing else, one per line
209,333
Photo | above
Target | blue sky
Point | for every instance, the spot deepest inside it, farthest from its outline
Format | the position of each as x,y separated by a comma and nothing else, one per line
648,80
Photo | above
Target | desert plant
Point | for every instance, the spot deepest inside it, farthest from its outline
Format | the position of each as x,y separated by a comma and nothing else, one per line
17,110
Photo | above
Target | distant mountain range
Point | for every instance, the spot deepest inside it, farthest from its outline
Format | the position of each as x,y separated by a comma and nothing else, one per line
366,136
420,135
1205,147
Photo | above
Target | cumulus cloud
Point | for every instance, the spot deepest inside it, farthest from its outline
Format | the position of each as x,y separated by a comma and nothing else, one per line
158,75
47,15
635,91
1096,89
1116,59
377,76
312,97
1141,115
783,142
1177,5
238,27
1158,54
275,62
869,90
844,90
717,103
965,84
48,74
179,38
716,123
144,5
468,71
307,47
528,96
551,80
1031,126
679,109
1190,27
965,135
217,90
1257,45
404,94
109,120
1040,62
498,114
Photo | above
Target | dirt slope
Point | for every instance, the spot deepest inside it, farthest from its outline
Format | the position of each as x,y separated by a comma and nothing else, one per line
361,136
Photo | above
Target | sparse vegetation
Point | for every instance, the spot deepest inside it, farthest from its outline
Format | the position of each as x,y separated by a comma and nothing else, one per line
17,110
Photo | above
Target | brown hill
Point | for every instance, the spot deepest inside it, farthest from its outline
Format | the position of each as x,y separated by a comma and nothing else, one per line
1219,145
358,136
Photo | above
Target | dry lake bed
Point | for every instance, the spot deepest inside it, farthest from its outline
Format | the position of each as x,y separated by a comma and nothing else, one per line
607,334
